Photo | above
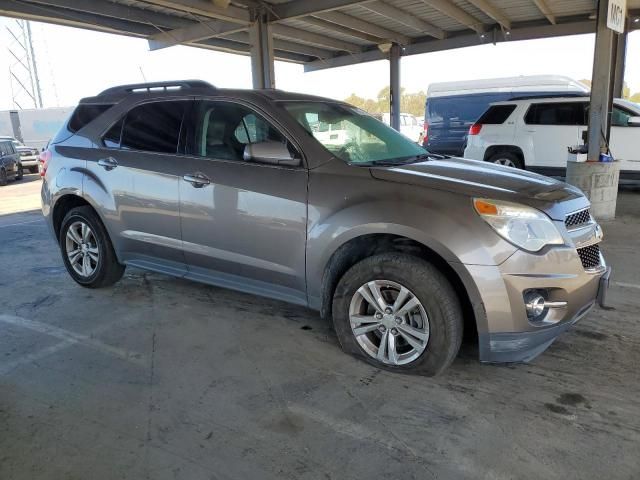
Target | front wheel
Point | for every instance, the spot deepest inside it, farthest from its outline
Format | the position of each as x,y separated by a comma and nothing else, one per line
3,177
20,173
398,312
87,251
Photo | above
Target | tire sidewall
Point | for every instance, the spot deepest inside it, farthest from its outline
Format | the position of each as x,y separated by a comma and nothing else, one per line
426,283
74,216
508,156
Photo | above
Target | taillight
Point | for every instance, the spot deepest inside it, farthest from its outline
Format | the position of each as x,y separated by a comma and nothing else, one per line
475,129
44,158
425,134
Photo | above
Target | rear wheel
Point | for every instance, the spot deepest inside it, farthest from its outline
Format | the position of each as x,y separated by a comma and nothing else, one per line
87,251
398,312
20,173
507,159
33,169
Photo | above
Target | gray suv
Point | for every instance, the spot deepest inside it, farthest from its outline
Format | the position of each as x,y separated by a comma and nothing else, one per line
10,165
314,202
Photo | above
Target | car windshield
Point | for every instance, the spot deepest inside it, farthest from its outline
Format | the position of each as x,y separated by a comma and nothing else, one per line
353,135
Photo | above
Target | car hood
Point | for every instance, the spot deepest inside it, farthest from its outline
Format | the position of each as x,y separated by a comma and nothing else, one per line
481,179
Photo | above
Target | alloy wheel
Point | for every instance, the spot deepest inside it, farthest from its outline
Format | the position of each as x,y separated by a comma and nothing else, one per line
507,162
389,322
82,249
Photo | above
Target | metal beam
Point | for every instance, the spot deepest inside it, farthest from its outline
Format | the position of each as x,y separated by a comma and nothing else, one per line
314,38
284,45
453,11
262,63
303,8
621,63
194,33
601,86
362,26
546,11
406,18
340,29
492,11
206,9
525,32
394,85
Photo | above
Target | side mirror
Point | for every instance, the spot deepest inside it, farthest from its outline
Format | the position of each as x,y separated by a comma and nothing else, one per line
273,153
633,122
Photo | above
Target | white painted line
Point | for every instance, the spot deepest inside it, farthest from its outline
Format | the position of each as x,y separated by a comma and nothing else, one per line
627,285
72,338
22,223
35,356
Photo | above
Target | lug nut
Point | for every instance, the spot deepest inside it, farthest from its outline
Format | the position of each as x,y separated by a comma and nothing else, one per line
388,310
394,331
382,328
379,316
398,320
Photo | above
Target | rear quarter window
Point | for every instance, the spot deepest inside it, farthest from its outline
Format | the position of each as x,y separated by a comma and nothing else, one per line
496,114
84,114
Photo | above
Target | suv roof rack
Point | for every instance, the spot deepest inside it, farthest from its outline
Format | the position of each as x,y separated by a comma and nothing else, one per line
548,95
151,87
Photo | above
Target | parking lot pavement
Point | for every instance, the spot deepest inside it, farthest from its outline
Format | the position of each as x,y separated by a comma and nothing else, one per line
162,378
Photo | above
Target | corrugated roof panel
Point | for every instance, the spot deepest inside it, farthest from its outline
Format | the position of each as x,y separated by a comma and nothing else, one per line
302,25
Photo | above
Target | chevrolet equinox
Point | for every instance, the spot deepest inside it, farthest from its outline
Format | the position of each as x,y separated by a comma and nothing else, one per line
314,202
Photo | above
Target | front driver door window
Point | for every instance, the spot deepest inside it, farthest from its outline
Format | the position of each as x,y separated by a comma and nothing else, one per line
625,139
246,225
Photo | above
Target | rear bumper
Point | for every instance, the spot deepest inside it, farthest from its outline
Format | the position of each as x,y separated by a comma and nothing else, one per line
505,333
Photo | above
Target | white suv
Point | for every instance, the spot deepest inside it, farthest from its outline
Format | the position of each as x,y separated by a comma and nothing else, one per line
534,134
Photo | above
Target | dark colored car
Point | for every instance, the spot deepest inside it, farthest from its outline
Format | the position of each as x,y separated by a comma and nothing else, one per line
10,165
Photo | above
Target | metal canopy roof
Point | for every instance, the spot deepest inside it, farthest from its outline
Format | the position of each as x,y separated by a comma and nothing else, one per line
323,33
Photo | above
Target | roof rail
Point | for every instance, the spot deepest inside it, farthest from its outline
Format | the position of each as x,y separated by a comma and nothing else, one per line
156,87
543,95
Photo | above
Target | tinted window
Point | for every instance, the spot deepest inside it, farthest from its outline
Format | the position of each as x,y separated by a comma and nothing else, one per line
573,113
620,117
111,139
153,127
458,111
85,114
223,130
3,148
496,115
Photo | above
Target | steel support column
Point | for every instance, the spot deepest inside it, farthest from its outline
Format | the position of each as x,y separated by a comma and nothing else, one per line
601,85
621,63
394,84
262,67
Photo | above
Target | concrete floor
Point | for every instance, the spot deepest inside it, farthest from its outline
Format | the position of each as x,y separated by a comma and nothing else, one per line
161,378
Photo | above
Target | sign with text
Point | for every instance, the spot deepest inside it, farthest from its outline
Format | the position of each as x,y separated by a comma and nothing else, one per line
616,15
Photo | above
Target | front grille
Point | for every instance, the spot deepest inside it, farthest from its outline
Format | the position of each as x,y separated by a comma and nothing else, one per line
590,256
578,218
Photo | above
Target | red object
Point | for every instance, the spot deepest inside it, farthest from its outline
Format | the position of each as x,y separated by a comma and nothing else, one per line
44,158
475,129
425,134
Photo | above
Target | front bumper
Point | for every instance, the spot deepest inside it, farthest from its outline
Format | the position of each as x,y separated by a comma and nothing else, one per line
505,333
29,161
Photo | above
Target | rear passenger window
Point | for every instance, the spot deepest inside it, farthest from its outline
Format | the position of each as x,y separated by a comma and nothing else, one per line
556,114
111,139
496,115
85,114
152,127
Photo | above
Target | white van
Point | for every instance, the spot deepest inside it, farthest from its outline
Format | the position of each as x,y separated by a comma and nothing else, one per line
535,133
409,125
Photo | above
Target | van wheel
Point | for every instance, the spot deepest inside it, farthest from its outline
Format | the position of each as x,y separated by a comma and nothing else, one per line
87,251
3,177
20,173
398,312
507,159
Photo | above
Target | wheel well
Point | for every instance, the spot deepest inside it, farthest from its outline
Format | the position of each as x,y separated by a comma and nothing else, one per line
495,149
62,206
365,246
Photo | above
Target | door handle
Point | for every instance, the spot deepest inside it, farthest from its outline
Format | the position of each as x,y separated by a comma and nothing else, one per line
197,180
108,163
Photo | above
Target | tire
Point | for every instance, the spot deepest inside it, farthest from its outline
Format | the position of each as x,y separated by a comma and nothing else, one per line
508,159
33,169
20,173
103,269
3,177
436,299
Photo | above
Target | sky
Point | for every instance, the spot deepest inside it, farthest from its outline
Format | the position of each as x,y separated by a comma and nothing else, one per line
74,63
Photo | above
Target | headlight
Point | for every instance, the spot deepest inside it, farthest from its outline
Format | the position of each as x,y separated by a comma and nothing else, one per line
525,227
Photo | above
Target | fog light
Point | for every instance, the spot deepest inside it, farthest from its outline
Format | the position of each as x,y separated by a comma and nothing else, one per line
534,303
